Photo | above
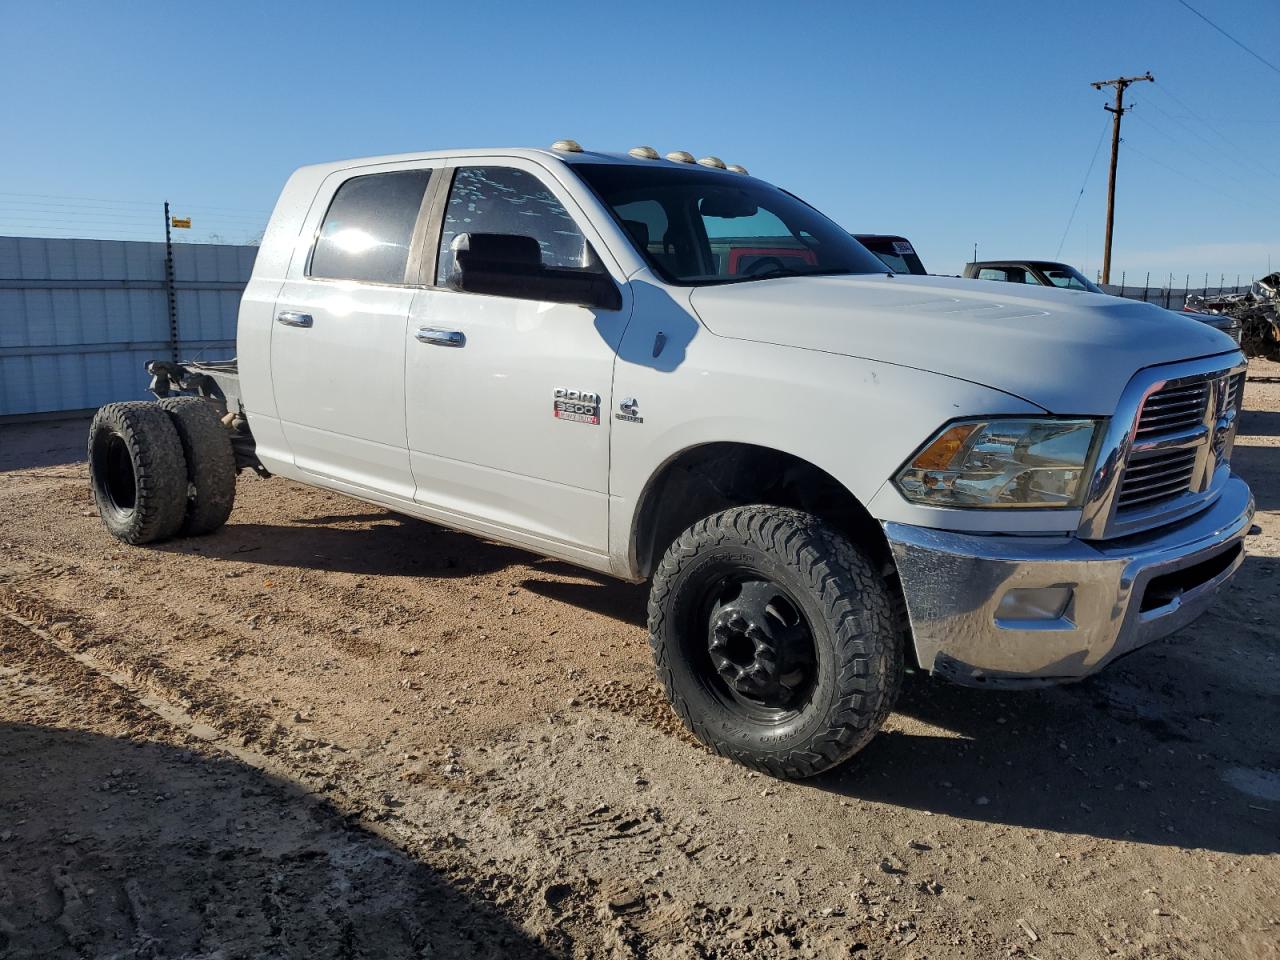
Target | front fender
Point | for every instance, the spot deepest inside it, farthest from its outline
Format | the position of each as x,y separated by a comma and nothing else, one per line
858,420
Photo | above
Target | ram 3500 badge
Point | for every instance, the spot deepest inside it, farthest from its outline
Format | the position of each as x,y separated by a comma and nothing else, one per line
580,406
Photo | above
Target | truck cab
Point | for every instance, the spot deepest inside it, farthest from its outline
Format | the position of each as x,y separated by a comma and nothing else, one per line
669,370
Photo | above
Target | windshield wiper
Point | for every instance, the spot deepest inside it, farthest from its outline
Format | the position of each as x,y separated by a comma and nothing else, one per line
774,272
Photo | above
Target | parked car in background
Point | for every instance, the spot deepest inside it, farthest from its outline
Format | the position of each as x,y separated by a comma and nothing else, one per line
1050,273
1045,273
896,252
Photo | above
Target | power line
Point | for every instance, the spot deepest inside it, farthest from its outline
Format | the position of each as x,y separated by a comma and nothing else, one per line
1187,176
1076,206
7,206
1207,161
135,203
1239,151
1257,56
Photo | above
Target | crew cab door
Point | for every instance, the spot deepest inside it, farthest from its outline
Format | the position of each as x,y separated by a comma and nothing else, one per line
338,332
488,447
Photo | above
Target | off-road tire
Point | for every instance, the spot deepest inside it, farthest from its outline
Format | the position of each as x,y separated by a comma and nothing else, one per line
850,614
211,463
137,471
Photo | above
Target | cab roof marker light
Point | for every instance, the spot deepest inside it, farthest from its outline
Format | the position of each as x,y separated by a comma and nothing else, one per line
643,153
736,168
715,162
680,156
567,146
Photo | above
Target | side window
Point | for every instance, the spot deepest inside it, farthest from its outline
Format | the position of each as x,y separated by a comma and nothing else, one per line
1011,274
368,227
508,201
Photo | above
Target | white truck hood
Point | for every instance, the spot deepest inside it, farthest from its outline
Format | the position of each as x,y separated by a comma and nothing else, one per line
1067,351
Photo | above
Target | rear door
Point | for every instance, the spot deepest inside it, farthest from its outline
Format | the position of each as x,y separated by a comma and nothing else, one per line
338,336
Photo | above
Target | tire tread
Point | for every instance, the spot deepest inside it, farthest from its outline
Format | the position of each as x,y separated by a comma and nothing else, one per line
159,468
856,605
211,463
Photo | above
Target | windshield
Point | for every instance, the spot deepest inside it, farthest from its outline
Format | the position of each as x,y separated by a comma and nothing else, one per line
1061,275
696,227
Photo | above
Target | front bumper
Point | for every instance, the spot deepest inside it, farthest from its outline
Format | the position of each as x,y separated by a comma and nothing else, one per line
1124,593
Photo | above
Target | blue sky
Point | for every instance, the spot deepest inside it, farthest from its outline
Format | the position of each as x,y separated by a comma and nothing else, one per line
947,122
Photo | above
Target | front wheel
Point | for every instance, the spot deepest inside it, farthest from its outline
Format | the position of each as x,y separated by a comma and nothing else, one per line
775,639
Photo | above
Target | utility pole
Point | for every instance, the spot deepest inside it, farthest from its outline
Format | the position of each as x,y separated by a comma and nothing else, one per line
1120,83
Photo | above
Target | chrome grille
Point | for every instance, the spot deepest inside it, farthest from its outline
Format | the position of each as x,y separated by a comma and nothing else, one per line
1170,453
1165,454
1175,408
1157,477
1235,392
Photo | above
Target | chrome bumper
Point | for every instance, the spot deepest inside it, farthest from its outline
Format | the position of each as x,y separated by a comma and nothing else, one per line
1123,593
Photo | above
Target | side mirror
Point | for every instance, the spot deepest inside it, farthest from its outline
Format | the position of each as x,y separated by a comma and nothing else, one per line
510,265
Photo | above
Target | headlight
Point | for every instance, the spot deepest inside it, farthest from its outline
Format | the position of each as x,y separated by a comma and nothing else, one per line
1038,462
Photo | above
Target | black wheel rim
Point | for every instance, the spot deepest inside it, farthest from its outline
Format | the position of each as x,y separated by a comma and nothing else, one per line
116,470
756,653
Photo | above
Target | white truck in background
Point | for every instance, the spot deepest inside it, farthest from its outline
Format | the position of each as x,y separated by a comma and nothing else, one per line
669,370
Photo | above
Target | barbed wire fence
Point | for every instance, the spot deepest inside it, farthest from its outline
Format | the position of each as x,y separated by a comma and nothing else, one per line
101,218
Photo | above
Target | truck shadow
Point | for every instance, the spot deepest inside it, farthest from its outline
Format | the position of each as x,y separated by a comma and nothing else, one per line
1260,466
1260,423
120,847
1148,750
372,543
1144,751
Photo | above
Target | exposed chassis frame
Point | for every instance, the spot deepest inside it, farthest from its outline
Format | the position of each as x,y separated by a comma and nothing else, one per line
219,382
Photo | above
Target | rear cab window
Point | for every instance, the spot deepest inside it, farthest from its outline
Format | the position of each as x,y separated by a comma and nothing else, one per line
368,229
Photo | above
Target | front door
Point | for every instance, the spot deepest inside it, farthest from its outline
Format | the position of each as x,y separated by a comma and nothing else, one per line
509,400
338,336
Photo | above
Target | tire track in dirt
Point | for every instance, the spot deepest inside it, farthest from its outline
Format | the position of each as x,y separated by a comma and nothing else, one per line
150,873
561,904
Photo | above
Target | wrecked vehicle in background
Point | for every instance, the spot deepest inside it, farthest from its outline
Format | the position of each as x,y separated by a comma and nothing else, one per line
1257,311
1050,273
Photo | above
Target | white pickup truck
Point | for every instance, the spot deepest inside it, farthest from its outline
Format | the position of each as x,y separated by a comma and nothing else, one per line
668,370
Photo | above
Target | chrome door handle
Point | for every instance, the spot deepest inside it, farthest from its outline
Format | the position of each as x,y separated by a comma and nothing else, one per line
291,318
441,338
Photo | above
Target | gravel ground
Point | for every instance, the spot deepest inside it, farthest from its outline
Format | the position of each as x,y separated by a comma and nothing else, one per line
330,731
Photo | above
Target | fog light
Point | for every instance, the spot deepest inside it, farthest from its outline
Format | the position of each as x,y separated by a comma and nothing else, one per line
1034,603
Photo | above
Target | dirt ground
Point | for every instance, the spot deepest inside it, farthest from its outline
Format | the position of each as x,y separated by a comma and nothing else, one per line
327,731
